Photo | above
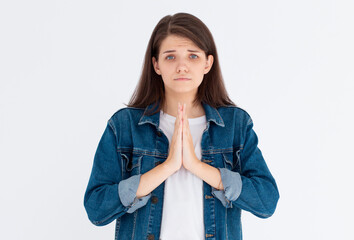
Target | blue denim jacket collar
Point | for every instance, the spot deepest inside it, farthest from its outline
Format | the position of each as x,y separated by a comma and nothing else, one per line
211,114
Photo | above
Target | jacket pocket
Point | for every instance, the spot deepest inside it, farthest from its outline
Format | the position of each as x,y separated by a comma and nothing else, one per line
231,160
131,163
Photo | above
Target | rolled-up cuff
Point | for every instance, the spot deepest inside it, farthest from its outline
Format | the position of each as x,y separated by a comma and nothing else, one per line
232,183
127,193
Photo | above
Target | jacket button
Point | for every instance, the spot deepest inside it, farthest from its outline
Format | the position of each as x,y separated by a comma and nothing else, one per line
208,197
159,133
154,199
151,237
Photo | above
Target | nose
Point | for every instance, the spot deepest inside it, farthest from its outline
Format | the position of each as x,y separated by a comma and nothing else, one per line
182,67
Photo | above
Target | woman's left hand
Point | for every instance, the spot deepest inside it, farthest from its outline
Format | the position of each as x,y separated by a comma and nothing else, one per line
189,158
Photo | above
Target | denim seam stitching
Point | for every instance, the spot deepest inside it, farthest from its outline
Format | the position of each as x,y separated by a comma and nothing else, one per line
227,236
117,228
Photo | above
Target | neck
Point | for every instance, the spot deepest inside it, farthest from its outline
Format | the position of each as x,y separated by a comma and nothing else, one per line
171,105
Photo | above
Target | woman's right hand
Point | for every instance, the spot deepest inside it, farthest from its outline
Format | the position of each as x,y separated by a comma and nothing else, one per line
174,159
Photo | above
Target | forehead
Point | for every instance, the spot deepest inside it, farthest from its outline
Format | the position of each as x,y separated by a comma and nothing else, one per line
173,42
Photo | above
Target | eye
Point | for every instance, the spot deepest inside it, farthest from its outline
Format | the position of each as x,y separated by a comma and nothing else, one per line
193,56
170,57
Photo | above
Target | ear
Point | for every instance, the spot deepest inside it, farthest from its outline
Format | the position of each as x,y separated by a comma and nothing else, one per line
156,66
208,64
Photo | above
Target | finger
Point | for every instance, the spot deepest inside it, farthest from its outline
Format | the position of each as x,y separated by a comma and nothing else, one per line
181,114
182,110
181,121
186,126
176,122
185,115
178,106
187,122
177,130
185,112
180,125
180,118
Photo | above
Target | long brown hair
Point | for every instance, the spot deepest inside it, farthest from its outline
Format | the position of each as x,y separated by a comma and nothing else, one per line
150,88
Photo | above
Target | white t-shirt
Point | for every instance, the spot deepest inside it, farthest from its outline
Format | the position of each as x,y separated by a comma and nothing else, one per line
183,215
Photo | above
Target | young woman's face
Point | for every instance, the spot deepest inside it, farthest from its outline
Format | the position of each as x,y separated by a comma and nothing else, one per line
181,64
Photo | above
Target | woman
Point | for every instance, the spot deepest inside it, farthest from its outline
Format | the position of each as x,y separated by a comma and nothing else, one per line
181,160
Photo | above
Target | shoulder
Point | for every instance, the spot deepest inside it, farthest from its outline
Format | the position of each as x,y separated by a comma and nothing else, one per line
127,111
235,112
124,116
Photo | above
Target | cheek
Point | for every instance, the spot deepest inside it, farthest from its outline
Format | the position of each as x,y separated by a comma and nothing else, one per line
167,69
166,72
198,65
199,68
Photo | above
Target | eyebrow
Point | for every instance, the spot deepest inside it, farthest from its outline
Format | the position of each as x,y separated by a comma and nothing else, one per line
189,50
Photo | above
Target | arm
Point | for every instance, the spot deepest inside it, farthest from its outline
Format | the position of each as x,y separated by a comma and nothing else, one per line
259,193
153,178
208,174
215,178
108,196
253,190
101,200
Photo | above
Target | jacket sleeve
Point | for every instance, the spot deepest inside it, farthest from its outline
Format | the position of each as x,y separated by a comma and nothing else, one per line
254,189
107,196
232,187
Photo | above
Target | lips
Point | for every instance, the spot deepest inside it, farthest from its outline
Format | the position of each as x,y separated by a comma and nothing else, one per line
182,79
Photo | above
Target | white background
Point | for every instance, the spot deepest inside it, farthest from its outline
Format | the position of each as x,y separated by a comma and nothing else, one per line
67,66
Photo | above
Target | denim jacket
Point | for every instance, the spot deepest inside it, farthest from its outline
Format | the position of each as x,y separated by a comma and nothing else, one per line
132,144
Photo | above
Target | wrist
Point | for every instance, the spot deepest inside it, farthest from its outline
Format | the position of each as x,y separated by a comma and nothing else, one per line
168,166
195,165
